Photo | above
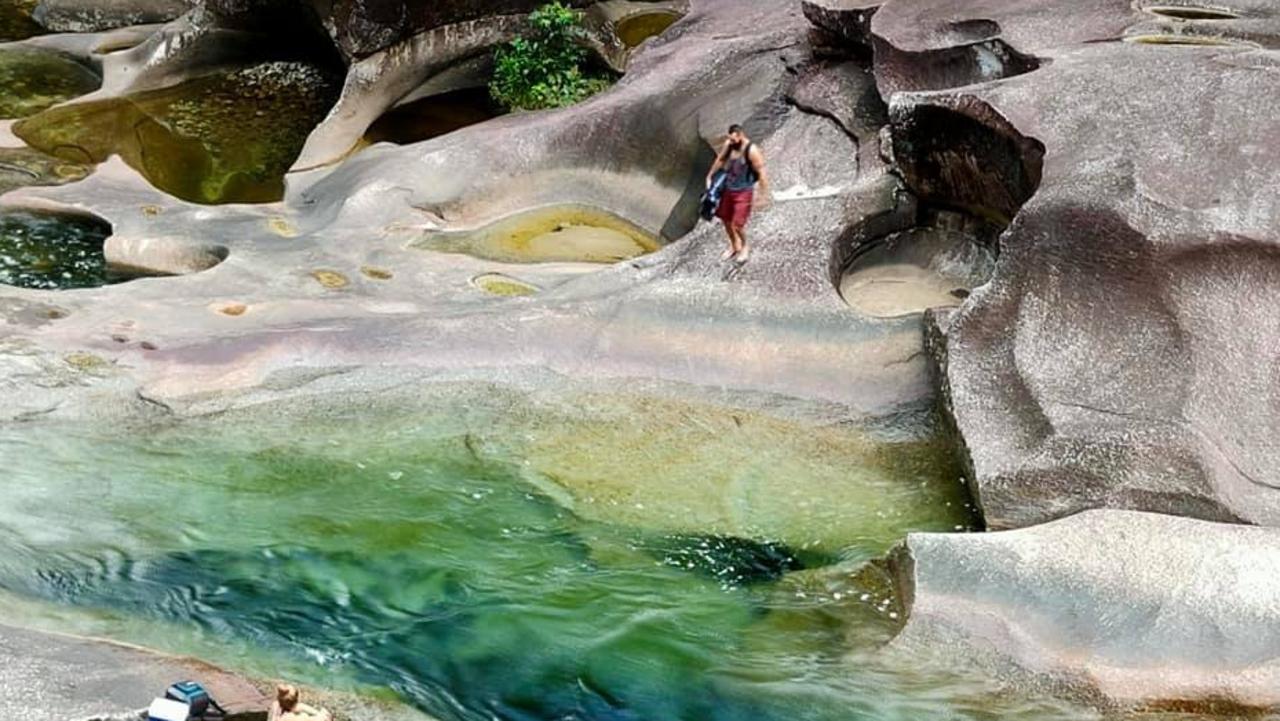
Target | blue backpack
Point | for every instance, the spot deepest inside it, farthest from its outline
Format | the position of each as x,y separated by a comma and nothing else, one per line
711,198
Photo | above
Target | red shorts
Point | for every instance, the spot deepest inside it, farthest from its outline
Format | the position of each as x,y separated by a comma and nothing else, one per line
735,207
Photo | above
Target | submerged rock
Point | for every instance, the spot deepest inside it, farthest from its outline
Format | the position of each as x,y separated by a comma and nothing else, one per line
22,167
1120,609
222,138
32,80
730,561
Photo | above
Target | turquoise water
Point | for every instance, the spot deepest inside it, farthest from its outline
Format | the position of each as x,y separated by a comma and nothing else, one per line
436,554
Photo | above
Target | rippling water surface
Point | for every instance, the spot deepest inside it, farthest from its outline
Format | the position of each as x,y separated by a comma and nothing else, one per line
463,558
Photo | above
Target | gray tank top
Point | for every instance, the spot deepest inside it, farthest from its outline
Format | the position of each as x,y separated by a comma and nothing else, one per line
739,172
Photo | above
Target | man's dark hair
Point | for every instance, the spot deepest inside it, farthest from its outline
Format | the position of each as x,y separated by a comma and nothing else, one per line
735,128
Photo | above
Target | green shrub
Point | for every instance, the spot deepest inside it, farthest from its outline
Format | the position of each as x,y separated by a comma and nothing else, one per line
545,69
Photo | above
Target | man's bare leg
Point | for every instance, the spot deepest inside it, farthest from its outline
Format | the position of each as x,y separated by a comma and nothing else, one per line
742,251
733,243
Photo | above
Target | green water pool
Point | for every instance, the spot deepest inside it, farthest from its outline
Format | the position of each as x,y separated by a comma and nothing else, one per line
50,251
228,137
32,80
499,555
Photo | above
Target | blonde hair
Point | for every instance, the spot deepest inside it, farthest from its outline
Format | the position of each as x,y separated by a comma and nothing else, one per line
287,696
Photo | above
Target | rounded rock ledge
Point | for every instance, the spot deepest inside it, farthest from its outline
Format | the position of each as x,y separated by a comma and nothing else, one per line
163,255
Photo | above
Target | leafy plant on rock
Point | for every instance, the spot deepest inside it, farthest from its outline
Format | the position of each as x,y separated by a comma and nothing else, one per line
545,68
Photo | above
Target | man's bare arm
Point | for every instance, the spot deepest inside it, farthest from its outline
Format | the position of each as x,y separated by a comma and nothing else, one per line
757,160
716,166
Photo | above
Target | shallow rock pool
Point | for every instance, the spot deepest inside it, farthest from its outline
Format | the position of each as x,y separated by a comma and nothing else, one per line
48,251
16,22
558,233
228,137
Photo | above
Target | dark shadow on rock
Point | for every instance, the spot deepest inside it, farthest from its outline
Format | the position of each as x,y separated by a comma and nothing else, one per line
960,153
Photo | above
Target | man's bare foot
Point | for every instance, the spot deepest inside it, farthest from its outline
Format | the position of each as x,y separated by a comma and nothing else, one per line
743,255
727,254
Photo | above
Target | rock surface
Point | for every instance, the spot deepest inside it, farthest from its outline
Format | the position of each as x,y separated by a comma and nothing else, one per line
55,678
1117,608
678,315
1119,356
79,16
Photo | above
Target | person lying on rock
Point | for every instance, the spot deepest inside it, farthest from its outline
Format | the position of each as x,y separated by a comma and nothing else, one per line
288,706
743,163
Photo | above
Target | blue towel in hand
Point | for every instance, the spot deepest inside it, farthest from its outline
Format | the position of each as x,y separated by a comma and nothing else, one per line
711,198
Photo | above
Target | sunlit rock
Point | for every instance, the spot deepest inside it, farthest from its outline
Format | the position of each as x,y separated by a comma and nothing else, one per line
1118,357
503,285
1118,609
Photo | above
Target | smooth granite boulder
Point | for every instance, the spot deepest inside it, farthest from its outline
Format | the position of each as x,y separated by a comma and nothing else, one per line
1122,354
848,20
1120,609
83,16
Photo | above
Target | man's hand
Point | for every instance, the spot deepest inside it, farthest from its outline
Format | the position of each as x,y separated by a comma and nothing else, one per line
763,200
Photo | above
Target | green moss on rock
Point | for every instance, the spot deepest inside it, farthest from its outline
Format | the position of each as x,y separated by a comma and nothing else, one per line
33,80
16,22
223,138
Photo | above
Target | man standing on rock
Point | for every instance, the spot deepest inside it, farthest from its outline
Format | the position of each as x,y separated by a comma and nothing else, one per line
743,164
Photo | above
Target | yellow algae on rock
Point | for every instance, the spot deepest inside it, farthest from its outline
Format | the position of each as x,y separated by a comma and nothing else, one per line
503,285
563,233
232,309
376,273
86,362
330,279
637,28
282,227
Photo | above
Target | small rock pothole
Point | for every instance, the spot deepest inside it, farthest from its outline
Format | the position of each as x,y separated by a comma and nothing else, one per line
1192,12
909,272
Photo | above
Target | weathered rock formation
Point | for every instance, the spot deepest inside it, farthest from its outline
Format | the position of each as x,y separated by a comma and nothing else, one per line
1116,608
1118,357
638,152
